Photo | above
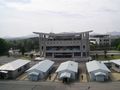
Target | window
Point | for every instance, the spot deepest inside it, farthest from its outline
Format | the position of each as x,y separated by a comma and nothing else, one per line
84,54
117,66
19,69
25,66
83,46
48,54
77,54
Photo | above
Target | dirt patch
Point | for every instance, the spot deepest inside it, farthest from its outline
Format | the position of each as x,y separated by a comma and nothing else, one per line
115,76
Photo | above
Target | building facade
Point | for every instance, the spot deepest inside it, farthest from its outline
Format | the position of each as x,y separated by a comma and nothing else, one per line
101,41
62,46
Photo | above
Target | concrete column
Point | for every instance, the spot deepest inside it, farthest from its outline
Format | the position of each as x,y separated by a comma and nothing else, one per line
52,55
72,55
40,45
81,54
44,45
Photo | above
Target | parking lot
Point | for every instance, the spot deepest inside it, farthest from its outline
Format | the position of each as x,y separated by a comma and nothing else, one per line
83,76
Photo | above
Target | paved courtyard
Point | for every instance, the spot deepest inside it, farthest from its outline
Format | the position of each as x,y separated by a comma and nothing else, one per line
22,83
27,85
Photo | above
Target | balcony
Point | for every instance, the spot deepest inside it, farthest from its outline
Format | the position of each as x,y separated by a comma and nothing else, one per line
63,43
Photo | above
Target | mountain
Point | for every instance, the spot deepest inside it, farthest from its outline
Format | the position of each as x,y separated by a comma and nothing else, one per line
114,33
21,37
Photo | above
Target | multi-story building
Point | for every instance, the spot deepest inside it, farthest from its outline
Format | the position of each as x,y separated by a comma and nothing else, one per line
64,46
102,41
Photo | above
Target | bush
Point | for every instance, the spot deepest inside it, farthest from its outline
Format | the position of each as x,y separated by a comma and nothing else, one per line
4,46
118,47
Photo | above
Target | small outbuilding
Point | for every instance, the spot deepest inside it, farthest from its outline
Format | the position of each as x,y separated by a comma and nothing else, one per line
107,63
116,65
40,70
67,71
97,71
13,69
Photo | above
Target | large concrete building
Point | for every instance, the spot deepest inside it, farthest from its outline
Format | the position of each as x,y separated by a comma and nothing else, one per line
64,46
101,40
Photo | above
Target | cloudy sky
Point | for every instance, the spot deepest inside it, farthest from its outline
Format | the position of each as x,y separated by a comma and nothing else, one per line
22,17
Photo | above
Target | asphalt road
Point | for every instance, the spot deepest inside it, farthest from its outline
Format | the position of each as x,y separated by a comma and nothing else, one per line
27,85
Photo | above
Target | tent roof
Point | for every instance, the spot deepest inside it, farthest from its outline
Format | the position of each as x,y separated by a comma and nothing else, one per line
65,75
34,73
95,65
11,66
42,66
116,61
99,73
68,65
4,71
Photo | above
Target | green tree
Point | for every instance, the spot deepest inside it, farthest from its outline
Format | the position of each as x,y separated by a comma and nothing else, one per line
118,47
4,46
115,43
105,53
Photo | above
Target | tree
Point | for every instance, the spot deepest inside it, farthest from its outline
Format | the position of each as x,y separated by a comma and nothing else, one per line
105,53
118,47
22,50
4,46
115,43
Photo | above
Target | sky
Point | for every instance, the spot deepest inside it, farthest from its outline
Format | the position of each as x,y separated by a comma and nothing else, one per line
22,17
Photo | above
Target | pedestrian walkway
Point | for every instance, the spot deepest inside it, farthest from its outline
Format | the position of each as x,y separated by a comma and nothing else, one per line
83,77
52,77
22,77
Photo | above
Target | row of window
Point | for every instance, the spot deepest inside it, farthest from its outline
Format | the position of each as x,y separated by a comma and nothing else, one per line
64,47
104,40
20,69
67,54
58,42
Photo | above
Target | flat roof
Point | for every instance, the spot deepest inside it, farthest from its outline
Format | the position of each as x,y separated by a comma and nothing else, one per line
42,66
99,35
95,65
68,65
116,61
11,66
62,33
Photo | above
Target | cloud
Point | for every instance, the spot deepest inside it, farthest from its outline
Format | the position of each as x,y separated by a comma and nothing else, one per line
16,1
59,15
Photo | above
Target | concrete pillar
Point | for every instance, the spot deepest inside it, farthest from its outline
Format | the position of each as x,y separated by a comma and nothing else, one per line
72,55
81,54
44,45
40,45
52,55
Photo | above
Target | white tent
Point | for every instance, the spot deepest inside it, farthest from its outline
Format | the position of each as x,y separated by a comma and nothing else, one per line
116,65
67,69
14,68
40,70
97,70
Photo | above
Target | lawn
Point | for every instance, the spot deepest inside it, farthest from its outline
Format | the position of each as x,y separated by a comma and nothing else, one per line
101,57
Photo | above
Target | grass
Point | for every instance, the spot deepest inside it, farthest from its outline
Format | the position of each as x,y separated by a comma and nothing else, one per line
25,57
101,57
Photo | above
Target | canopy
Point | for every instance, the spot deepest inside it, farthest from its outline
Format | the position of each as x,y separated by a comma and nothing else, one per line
100,73
4,71
33,73
65,75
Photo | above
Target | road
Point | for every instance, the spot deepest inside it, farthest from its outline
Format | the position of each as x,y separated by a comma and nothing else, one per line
28,85
102,52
